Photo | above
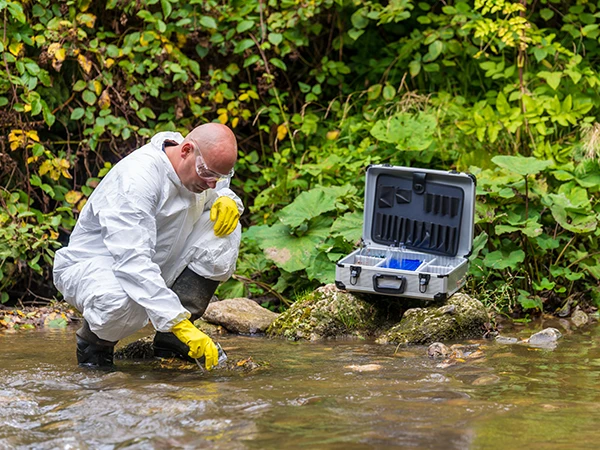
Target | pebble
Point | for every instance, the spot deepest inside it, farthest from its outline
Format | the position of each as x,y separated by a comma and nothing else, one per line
364,367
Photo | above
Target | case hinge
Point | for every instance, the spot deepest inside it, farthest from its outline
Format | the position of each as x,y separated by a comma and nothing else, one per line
418,184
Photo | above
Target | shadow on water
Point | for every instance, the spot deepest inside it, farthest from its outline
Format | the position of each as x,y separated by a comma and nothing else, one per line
331,395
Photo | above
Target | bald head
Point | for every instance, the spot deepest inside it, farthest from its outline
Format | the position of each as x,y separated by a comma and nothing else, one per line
217,144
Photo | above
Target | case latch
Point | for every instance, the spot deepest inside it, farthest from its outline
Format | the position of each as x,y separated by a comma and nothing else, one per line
354,274
418,184
424,282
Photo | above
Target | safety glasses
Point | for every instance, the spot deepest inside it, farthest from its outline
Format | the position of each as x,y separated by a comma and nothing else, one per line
207,174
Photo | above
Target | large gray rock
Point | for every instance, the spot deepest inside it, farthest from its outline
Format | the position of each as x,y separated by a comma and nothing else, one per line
239,315
462,317
326,313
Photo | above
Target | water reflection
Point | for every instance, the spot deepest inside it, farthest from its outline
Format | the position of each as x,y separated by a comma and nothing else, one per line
348,394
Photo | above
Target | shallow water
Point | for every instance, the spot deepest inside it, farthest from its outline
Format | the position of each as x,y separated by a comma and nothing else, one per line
332,395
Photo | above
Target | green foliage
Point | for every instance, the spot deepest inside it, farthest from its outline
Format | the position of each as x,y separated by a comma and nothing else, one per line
316,91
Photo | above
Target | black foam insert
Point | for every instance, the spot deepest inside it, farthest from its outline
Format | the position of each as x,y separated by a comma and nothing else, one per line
426,220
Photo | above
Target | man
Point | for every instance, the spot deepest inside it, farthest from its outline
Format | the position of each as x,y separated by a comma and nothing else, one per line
153,242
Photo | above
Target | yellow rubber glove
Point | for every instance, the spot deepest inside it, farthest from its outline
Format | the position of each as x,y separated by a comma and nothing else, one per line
198,342
225,214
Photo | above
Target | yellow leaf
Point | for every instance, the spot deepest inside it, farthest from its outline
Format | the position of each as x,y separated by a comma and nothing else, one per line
181,39
85,63
60,55
87,19
32,159
234,122
45,167
169,48
73,197
97,87
104,100
109,62
223,118
81,204
33,135
218,97
17,138
281,132
63,163
244,97
332,135
53,235
15,48
52,48
65,174
27,107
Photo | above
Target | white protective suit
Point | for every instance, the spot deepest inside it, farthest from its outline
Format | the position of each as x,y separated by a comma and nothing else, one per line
138,231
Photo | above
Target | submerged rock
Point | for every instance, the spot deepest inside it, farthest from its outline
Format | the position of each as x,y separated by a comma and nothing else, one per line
546,337
140,349
438,350
506,340
579,318
325,313
239,315
462,317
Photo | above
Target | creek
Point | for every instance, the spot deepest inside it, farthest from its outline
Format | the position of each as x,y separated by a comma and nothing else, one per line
328,395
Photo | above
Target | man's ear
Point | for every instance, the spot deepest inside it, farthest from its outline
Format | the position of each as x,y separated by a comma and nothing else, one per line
186,149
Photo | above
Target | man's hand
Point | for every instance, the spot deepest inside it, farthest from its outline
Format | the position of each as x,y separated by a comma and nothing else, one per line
198,342
225,214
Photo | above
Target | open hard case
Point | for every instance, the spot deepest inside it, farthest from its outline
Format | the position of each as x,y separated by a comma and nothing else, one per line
417,234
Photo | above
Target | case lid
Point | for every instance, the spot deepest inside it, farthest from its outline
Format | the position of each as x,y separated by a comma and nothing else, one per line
431,211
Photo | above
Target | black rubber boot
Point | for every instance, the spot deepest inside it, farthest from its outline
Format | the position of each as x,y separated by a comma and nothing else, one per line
92,351
194,292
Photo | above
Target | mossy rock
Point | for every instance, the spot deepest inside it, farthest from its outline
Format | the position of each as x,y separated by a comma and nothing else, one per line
462,317
326,313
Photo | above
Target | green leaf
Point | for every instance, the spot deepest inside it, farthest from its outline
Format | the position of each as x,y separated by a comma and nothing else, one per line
552,78
355,34
244,44
389,92
408,132
321,269
546,13
435,49
349,226
278,63
208,22
527,302
79,85
524,166
414,67
244,25
57,323
290,252
308,205
166,7
275,38
359,19
89,97
252,59
500,260
374,91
